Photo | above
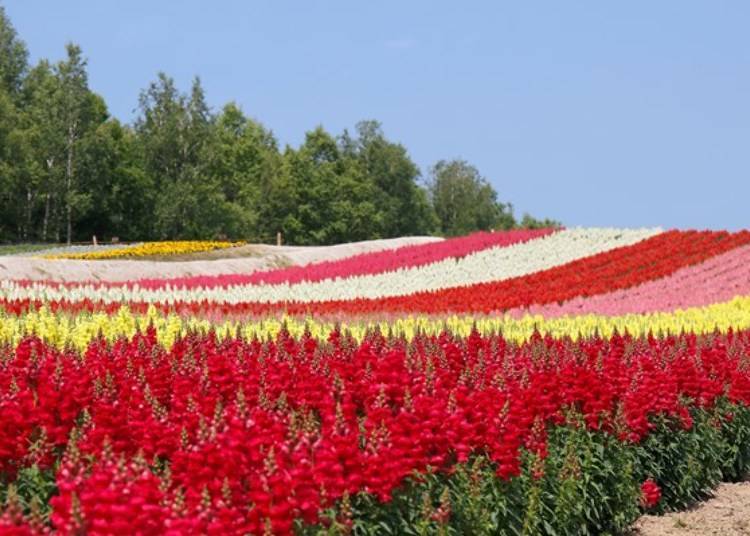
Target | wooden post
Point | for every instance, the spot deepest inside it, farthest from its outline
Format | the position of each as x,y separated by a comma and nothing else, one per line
278,238
94,240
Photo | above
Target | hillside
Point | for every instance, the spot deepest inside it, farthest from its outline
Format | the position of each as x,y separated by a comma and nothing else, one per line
495,383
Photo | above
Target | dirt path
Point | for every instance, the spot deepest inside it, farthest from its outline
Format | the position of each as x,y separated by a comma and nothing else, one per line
250,259
727,513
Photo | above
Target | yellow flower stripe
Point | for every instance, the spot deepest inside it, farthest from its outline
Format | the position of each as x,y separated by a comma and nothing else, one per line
147,249
78,330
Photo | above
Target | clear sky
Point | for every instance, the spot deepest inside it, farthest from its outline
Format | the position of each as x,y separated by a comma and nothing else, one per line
592,112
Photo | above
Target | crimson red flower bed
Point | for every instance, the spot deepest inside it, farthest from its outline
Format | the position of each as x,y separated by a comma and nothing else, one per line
443,433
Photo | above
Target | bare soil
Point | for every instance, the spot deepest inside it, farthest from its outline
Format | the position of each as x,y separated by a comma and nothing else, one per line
244,259
727,513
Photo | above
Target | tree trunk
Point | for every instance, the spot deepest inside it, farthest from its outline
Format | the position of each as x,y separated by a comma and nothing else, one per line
68,185
29,199
45,222
56,218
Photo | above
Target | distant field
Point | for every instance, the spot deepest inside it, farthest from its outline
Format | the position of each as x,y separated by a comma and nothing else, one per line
155,251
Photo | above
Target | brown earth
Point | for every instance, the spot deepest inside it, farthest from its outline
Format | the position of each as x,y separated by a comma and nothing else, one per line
727,513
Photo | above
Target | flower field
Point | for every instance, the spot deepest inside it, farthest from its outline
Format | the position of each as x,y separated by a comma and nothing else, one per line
519,382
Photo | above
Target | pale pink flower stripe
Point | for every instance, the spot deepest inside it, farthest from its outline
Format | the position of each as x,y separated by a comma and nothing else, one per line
718,279
363,264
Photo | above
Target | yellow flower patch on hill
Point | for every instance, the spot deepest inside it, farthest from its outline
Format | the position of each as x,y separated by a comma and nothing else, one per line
149,249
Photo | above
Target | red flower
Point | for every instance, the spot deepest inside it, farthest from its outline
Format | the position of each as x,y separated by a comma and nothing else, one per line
650,494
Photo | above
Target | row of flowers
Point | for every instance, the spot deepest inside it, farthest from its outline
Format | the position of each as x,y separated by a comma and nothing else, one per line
48,250
716,280
373,262
146,249
74,326
620,268
236,436
488,265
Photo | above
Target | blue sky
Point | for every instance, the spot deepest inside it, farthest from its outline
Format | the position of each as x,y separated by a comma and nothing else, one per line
594,113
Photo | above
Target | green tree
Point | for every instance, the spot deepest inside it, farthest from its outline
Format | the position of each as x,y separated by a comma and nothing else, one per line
10,216
121,193
173,129
13,56
529,222
400,200
320,199
464,201
206,171
43,149
79,110
243,158
69,170
13,66
58,112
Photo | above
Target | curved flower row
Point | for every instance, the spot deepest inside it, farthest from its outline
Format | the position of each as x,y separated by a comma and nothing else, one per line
147,249
716,280
373,262
487,265
50,250
370,262
77,328
620,268
237,437
623,267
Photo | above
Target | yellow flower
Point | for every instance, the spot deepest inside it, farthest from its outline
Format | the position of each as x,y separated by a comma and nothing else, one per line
77,330
148,249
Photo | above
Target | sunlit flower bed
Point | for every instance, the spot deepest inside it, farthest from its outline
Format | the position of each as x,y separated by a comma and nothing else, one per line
454,434
524,382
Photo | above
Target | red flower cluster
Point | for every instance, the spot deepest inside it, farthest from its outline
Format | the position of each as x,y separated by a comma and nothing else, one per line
650,494
247,436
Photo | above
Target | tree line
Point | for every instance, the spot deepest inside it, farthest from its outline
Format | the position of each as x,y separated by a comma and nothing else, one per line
68,170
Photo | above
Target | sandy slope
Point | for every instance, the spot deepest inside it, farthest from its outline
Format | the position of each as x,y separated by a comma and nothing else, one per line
262,257
727,513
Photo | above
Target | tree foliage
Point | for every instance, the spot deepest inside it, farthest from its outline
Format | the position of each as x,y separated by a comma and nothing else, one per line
69,171
465,201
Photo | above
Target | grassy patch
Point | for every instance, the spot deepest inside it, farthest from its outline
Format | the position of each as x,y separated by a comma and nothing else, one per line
15,249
